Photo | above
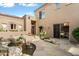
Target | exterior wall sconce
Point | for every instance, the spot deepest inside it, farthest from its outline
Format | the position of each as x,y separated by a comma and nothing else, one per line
66,24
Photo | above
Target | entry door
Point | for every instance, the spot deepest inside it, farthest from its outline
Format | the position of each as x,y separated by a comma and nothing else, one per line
56,30
33,30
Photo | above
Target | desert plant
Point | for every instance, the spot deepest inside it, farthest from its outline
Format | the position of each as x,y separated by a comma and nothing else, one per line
1,30
75,33
13,30
20,38
43,35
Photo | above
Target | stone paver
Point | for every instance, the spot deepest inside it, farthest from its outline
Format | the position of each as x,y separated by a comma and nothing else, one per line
63,43
47,49
66,45
74,51
62,47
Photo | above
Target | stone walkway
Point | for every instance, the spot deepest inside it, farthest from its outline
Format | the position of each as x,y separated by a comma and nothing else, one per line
59,47
63,43
66,45
47,49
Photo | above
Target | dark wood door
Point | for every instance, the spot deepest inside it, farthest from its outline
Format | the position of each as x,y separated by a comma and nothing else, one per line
56,30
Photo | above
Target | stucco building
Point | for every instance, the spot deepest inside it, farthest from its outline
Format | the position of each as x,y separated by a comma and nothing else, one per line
58,19
13,25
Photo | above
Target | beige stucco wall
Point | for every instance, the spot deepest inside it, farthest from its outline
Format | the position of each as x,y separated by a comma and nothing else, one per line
11,20
66,13
8,19
70,14
28,23
50,16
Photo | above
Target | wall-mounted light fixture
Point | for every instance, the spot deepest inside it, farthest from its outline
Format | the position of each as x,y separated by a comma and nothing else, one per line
66,24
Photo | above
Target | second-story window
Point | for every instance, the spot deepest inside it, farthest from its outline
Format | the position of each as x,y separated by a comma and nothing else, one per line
42,14
58,5
29,17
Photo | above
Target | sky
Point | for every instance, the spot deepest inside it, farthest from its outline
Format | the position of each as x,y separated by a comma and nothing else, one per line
19,9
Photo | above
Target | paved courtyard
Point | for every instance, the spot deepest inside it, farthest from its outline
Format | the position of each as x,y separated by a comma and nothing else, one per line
64,44
61,47
48,49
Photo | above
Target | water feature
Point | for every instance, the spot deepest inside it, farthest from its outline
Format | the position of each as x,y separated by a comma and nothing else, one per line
28,49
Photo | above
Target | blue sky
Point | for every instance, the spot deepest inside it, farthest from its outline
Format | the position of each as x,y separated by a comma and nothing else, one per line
19,9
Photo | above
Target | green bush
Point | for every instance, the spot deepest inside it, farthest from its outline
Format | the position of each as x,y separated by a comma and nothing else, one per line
75,33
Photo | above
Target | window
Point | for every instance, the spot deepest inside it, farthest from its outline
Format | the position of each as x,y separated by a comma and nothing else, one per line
68,4
29,17
42,14
58,5
13,26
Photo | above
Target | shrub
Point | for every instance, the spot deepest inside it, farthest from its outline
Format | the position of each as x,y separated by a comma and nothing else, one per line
20,38
75,33
13,30
44,35
1,30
